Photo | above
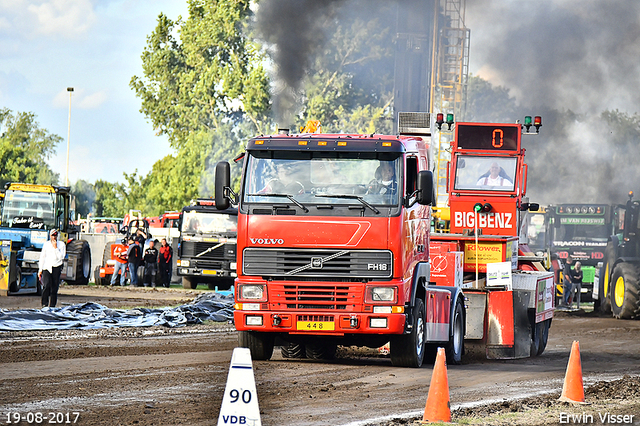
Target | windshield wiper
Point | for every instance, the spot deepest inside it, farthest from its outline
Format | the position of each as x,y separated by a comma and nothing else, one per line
289,196
350,197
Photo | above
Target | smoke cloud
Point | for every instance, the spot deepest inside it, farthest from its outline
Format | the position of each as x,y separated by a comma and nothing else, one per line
296,31
577,63
559,53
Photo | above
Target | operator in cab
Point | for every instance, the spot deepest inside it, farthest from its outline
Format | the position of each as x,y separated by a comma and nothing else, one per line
496,176
384,181
285,180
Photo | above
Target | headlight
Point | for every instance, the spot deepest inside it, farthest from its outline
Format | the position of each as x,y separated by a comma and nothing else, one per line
233,265
185,263
378,323
381,294
253,320
254,292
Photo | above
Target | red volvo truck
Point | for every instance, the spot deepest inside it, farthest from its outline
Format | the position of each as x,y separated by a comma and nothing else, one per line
333,246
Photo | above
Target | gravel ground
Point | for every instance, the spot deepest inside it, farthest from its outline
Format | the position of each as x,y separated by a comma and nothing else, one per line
160,376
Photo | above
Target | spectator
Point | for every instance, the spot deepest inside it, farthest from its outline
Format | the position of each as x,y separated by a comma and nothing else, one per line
165,262
120,253
567,286
134,256
150,264
576,282
50,267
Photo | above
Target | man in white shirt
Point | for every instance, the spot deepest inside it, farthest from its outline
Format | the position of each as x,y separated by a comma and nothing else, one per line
494,177
51,258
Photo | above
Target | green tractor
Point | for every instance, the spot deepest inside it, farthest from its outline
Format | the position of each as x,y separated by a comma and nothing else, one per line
619,285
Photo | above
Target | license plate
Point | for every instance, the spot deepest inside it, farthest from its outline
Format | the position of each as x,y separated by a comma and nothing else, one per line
316,326
207,272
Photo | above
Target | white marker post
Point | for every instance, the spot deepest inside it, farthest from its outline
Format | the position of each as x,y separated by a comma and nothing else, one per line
240,401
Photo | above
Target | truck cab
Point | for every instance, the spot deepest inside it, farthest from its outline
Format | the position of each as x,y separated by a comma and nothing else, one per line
29,211
333,247
207,245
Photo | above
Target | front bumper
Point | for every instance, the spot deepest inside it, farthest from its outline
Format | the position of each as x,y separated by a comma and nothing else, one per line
319,323
191,272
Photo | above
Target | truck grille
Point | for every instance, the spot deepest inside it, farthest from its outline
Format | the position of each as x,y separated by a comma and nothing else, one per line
194,248
208,264
315,296
317,263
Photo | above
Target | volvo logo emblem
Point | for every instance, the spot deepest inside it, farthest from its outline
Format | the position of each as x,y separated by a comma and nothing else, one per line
316,262
267,241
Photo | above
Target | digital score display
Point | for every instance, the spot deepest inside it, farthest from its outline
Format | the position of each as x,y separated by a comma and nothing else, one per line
498,137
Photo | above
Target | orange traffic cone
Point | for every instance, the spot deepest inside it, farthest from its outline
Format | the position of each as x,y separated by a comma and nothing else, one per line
438,408
573,388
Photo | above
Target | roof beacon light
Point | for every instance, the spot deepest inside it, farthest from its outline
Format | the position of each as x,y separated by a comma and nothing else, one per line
450,120
439,120
537,121
527,122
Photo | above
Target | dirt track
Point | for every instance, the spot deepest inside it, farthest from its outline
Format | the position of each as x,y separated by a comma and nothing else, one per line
158,376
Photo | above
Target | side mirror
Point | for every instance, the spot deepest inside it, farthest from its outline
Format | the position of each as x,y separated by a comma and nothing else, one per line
223,181
425,188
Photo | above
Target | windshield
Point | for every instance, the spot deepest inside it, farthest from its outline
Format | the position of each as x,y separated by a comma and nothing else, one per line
535,228
485,173
595,232
314,181
196,222
104,228
34,210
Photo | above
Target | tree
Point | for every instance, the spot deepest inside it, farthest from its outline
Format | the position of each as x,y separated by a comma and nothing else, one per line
211,72
350,84
24,149
175,180
109,201
487,103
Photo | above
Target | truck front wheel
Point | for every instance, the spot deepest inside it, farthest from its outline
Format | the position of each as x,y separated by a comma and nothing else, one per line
407,350
293,350
624,291
605,281
455,347
320,350
82,251
189,283
260,344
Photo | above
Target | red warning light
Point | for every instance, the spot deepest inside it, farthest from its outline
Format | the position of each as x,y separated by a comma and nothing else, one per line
537,122
439,120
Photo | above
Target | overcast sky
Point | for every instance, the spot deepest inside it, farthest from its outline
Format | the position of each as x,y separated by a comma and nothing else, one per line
95,47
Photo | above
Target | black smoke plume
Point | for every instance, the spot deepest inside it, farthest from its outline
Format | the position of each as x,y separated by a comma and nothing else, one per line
295,30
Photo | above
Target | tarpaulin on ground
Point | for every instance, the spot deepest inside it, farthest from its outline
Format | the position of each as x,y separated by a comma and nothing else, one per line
206,307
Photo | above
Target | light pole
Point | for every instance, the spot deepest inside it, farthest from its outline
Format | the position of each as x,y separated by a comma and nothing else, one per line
66,179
